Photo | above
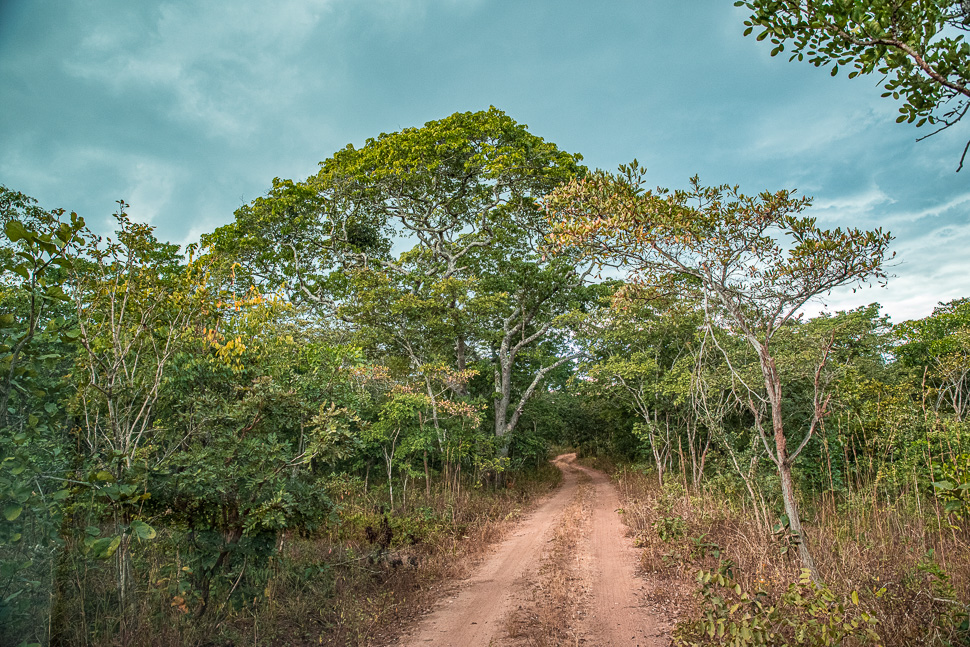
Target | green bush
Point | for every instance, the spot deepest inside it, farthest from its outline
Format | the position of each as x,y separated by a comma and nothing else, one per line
670,528
805,614
953,487
952,622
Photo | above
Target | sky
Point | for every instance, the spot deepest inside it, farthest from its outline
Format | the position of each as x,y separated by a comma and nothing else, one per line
188,109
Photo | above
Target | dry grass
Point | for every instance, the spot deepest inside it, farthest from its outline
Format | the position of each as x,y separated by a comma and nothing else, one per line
355,582
862,545
559,587
377,588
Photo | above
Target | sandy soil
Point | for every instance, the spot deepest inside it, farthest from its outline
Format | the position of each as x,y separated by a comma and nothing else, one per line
612,612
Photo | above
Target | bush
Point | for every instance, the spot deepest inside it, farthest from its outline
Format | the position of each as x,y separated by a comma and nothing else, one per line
805,614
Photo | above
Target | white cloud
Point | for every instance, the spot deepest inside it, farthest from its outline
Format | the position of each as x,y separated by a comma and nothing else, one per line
219,64
958,206
145,182
852,208
929,268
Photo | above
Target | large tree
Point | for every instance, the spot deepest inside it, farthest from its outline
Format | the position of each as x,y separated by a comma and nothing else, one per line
755,261
428,238
917,47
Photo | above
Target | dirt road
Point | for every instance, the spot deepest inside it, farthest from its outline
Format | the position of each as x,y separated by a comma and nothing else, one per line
566,570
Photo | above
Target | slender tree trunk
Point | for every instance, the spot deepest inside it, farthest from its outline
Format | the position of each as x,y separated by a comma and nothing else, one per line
390,480
427,479
460,353
404,492
791,509
760,515
773,384
123,565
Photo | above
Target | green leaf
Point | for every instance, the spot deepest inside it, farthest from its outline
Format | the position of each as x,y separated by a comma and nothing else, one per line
142,530
13,595
112,547
105,547
16,231
12,511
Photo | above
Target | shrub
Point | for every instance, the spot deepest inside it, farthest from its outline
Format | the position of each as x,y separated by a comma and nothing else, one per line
805,614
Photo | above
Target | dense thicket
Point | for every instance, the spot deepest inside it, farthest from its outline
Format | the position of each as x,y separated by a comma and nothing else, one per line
414,321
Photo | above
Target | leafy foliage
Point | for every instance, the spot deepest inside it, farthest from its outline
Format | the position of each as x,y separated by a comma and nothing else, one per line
322,383
805,614
916,47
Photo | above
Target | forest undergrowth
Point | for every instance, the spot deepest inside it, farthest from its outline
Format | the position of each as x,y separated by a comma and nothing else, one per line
894,570
354,583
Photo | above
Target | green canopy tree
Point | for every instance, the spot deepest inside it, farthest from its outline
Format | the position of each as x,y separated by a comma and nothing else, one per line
257,407
755,262
938,348
136,304
460,196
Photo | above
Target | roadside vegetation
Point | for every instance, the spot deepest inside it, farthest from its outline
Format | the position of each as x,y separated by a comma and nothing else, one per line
295,430
881,494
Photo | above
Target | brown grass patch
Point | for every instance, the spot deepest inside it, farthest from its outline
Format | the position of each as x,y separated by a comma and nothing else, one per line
861,545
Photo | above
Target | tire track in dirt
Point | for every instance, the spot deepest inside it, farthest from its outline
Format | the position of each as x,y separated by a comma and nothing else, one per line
478,615
475,617
615,615
559,583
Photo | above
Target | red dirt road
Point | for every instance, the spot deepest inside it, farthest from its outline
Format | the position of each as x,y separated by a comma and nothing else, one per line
611,612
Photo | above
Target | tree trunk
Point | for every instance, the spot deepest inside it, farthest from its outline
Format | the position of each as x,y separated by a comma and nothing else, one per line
791,509
390,473
427,479
460,354
783,463
125,597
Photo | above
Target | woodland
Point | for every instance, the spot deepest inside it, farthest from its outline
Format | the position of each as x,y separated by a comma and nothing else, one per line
288,432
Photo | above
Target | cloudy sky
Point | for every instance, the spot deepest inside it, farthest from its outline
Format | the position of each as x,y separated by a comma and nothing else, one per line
189,109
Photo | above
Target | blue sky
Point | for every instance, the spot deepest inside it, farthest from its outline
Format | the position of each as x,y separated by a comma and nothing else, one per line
189,109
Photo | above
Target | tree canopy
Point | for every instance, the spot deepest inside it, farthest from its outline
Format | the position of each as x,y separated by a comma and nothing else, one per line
754,261
329,381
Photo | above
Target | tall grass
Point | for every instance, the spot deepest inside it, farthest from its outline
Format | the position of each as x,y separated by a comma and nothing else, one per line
350,582
906,561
